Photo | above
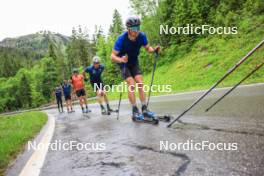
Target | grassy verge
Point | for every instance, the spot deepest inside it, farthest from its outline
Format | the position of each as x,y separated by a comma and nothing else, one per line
210,58
15,131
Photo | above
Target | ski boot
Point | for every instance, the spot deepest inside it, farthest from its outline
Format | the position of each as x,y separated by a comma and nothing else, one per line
149,115
85,112
104,112
137,116
110,110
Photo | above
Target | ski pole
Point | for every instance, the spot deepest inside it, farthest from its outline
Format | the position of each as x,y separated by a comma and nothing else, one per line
119,103
228,92
153,73
218,82
120,95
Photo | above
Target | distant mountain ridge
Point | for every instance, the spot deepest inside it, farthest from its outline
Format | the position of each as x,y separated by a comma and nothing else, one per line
38,42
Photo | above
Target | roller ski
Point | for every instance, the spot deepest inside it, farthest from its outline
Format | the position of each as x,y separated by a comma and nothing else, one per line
111,110
86,111
146,117
149,114
165,118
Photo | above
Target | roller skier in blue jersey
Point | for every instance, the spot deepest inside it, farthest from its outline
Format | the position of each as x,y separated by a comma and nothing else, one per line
125,52
67,92
95,71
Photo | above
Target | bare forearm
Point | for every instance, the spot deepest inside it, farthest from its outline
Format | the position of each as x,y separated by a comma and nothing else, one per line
116,59
150,49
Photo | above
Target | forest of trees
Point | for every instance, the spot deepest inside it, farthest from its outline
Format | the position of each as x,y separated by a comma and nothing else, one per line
27,81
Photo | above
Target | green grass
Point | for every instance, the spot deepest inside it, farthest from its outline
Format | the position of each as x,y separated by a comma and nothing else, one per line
210,58
15,131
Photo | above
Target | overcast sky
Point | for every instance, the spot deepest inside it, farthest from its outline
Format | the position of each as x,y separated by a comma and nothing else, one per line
21,17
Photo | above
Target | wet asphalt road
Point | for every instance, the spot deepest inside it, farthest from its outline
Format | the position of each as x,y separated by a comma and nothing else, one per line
134,149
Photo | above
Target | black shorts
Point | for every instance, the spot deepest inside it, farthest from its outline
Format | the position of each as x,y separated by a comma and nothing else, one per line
80,93
130,71
97,86
67,97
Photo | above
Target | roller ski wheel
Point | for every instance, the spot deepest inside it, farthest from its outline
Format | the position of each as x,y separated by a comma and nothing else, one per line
165,118
151,119
111,110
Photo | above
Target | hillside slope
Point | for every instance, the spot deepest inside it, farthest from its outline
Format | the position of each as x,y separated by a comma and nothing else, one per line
212,57
38,42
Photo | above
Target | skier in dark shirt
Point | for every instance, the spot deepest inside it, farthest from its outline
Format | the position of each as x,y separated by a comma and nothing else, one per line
95,71
58,96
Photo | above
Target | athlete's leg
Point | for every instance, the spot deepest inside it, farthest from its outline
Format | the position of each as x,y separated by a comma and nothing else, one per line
107,102
58,104
99,96
142,96
139,81
105,96
131,90
80,101
70,103
85,100
67,103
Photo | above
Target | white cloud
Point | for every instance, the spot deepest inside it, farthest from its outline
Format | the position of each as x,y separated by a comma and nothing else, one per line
19,17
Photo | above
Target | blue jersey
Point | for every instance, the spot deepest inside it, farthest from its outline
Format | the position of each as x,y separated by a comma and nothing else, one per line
132,48
95,73
66,89
58,91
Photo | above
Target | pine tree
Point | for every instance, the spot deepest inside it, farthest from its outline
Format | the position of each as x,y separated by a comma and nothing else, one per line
52,52
117,27
50,77
25,92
